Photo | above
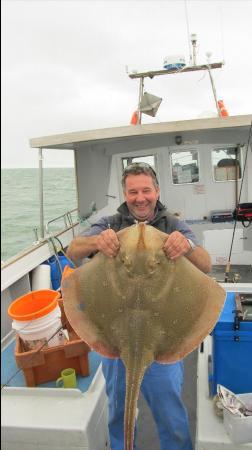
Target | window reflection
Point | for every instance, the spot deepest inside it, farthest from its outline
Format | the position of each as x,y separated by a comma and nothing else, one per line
185,167
226,163
149,159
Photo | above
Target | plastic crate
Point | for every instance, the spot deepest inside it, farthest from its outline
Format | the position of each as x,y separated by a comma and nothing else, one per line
46,364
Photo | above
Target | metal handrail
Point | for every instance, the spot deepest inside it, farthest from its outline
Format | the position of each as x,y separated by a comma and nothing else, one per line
67,219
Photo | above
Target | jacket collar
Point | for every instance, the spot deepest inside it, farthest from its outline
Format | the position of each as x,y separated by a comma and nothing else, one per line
160,211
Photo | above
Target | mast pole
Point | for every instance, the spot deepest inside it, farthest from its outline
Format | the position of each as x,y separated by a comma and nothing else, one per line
141,88
208,54
41,202
214,92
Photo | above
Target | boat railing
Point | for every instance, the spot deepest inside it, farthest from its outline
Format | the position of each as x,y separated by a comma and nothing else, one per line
67,218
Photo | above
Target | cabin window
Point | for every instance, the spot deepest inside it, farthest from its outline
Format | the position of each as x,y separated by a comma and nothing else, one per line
149,159
226,163
185,167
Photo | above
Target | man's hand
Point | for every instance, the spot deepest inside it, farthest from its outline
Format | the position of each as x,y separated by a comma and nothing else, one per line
108,243
176,245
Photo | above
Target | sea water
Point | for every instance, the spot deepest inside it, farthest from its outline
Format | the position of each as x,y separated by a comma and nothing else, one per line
20,204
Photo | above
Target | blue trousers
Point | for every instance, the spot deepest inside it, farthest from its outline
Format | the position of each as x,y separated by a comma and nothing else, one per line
161,387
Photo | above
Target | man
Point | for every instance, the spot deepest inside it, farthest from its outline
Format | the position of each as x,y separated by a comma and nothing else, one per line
162,383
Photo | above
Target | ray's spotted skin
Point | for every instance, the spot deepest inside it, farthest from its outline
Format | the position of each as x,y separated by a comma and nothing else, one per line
142,307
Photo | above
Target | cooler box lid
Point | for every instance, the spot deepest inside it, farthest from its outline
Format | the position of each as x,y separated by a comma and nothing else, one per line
232,311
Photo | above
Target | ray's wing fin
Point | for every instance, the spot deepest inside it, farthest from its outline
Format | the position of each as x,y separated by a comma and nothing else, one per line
83,313
192,306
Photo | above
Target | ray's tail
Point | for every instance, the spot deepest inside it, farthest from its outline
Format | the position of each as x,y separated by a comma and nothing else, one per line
136,365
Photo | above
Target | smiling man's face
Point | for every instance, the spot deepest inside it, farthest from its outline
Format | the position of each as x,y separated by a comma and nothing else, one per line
141,196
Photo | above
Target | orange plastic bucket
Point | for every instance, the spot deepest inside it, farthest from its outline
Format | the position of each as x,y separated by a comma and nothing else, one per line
34,305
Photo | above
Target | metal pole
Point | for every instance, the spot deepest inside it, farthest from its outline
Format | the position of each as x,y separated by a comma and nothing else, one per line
194,54
41,203
214,91
237,167
194,43
141,87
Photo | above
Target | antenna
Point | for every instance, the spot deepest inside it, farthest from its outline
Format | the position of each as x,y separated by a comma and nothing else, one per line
194,44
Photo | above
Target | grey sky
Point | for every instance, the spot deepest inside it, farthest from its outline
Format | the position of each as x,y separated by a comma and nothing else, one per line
64,65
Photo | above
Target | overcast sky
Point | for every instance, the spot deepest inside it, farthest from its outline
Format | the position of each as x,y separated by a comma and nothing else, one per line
64,65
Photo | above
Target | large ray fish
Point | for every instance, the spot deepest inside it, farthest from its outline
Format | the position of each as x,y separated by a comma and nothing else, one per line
142,307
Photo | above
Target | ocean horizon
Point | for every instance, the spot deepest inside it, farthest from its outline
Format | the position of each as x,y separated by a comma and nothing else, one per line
20,203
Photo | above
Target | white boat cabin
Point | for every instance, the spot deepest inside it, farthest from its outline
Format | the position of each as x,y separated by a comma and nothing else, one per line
201,165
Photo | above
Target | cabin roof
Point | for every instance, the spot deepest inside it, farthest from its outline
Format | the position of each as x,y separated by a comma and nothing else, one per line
70,140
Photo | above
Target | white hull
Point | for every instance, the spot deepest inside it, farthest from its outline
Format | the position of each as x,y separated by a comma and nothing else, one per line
55,418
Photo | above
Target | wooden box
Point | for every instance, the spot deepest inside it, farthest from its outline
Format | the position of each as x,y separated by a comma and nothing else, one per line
45,364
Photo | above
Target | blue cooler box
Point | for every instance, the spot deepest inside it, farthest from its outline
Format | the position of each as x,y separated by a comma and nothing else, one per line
56,272
231,363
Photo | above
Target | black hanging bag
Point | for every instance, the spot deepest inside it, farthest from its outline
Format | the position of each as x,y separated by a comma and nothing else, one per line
243,213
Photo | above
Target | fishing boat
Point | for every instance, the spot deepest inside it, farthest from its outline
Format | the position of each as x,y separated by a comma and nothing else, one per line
203,167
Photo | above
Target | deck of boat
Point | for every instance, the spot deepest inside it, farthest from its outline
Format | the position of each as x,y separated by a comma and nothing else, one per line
147,438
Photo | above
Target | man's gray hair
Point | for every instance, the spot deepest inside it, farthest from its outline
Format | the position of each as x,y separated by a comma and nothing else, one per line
139,168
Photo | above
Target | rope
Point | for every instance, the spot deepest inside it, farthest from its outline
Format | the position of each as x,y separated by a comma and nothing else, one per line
50,240
245,162
64,253
85,221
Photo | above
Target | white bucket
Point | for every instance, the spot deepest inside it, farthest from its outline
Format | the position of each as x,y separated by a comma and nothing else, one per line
40,331
41,277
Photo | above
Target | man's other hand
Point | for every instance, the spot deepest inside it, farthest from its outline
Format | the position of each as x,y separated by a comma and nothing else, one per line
108,243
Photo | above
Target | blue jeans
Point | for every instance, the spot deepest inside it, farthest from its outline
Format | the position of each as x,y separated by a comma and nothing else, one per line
161,387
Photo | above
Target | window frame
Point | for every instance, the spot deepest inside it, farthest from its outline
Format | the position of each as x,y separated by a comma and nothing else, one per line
199,169
130,160
239,160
